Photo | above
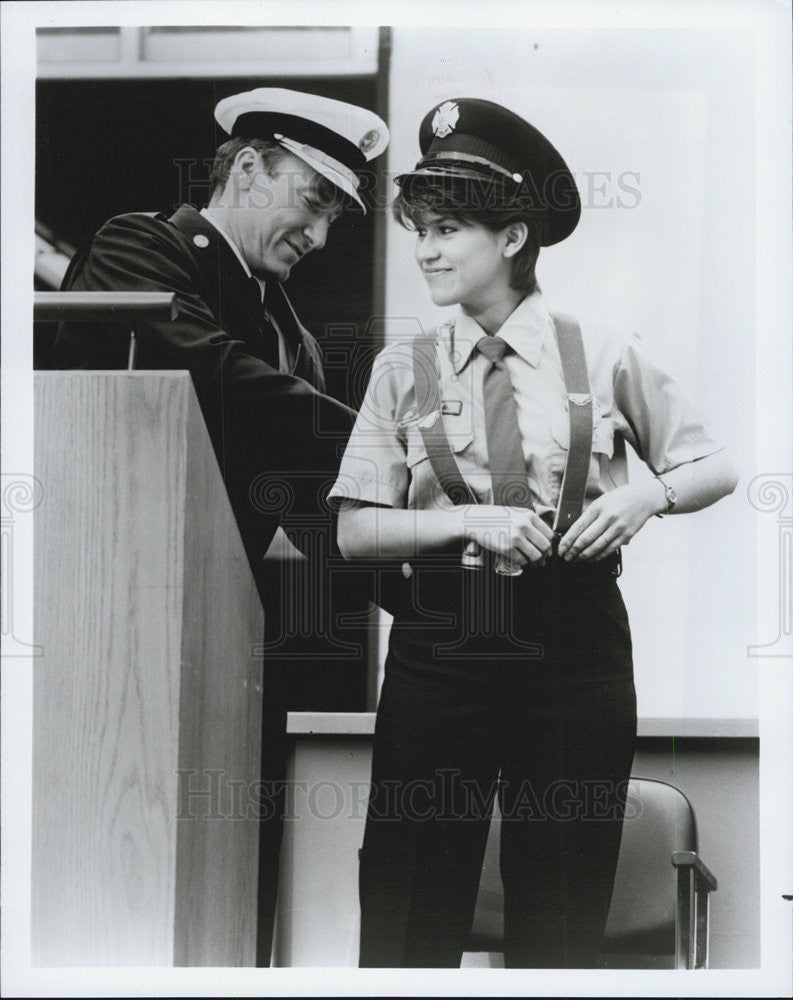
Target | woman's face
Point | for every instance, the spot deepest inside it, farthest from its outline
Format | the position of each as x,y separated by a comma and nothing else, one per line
463,263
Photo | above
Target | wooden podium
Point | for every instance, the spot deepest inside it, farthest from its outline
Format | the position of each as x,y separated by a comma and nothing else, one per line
148,696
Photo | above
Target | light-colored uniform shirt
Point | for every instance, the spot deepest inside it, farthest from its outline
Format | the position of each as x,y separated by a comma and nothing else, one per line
634,401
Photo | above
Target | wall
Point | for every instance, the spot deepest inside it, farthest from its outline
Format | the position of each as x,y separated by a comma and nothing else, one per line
655,125
720,777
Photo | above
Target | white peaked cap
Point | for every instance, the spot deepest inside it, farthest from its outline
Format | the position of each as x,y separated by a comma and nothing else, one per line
333,137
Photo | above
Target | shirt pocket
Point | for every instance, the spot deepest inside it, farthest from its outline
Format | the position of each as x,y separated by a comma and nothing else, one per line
425,490
602,446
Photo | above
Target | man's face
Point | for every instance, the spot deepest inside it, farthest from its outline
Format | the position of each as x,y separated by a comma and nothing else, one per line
277,220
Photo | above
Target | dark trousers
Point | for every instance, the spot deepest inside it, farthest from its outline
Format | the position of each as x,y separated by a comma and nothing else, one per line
521,688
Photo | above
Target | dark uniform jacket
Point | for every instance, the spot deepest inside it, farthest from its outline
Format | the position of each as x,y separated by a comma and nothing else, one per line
278,437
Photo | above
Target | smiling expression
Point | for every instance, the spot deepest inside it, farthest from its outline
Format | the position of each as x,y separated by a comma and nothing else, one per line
463,263
278,220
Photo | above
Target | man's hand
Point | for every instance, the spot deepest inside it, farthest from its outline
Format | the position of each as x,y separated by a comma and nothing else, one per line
611,521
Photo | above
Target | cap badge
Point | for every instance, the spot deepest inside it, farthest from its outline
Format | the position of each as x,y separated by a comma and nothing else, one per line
201,241
369,141
445,119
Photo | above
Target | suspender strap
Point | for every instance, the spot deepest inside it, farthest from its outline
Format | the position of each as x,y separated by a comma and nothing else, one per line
426,375
579,405
579,398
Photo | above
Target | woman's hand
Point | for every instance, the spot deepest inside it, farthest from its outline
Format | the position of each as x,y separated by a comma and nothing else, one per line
614,518
611,521
515,533
369,532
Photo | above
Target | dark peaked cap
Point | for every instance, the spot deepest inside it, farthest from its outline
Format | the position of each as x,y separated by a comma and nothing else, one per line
468,137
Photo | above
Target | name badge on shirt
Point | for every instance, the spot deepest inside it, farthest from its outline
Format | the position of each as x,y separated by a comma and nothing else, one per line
452,407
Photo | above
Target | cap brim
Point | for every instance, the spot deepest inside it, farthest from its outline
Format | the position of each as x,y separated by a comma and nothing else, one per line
441,173
339,175
557,222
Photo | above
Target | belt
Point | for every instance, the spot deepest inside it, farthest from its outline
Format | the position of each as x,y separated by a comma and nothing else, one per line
611,564
449,562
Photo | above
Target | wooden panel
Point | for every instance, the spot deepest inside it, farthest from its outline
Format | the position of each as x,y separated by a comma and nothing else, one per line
106,691
130,647
219,728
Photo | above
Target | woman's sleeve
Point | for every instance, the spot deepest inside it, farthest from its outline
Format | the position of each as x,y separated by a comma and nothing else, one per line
373,469
664,427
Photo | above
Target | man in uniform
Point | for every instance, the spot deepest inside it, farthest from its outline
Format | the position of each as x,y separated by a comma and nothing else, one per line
293,162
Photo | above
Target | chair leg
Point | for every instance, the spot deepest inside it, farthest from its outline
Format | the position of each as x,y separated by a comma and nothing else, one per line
692,923
703,930
685,922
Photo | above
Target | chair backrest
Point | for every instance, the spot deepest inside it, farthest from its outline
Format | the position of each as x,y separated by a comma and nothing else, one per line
659,819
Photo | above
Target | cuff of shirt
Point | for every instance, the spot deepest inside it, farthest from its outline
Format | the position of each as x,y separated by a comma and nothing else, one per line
691,453
365,490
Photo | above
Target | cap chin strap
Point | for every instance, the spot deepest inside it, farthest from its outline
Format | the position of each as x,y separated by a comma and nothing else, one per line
476,161
335,171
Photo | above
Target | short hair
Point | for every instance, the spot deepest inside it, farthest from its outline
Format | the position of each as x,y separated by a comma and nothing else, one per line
270,151
272,154
490,203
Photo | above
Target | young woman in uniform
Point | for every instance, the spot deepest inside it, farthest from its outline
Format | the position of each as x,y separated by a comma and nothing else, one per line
509,668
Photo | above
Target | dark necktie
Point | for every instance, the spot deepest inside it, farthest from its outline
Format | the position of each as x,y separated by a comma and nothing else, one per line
504,448
270,341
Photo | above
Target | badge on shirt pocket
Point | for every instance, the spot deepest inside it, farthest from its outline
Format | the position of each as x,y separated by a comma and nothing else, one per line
452,407
560,425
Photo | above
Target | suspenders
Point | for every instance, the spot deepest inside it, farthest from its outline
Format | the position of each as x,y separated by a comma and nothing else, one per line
426,382
426,373
579,406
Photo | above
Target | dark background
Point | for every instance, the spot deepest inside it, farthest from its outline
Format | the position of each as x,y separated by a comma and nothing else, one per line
106,147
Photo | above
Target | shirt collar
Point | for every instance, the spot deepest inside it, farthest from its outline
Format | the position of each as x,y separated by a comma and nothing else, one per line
213,222
524,330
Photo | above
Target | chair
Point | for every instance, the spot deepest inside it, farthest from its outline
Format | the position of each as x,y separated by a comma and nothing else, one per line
657,919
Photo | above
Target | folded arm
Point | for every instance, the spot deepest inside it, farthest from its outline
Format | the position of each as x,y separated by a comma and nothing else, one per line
367,531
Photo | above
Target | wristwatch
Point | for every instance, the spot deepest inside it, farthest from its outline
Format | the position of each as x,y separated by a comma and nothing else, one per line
671,496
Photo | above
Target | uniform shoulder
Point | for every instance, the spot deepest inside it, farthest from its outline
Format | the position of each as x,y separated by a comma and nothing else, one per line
603,336
135,247
144,236
399,351
151,223
392,376
137,231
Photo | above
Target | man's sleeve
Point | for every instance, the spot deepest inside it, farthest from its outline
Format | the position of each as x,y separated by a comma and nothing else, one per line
141,253
277,439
